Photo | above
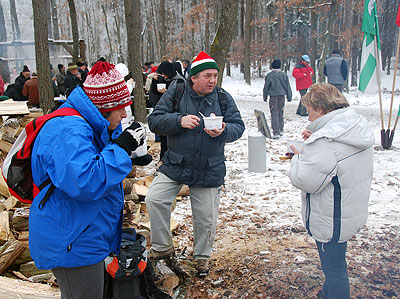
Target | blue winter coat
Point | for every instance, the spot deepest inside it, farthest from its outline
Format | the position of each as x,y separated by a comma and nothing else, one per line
81,222
194,158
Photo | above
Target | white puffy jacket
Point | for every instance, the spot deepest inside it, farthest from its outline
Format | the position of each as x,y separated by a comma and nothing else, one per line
334,172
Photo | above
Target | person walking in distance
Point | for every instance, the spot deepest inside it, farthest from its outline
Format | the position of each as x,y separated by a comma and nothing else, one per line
303,74
335,69
277,86
195,157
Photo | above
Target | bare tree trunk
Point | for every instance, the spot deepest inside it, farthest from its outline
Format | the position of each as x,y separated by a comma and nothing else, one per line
207,28
74,26
223,38
133,26
355,53
162,29
280,32
314,38
4,69
327,41
54,18
347,51
155,29
242,30
46,94
103,8
247,42
14,21
120,57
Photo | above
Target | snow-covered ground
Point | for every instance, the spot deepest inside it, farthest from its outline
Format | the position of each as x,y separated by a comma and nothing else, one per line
270,197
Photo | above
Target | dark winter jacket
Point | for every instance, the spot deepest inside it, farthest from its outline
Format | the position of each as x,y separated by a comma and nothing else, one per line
71,82
60,82
154,95
335,69
303,75
81,222
83,75
277,84
193,157
18,86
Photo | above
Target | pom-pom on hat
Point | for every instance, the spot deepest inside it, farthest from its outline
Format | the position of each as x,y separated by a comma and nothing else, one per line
106,88
202,62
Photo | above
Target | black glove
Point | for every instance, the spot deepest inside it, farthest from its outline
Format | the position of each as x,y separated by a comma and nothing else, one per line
142,160
132,137
289,99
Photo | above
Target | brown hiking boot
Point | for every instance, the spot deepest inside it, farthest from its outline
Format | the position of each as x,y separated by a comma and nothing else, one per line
202,267
161,255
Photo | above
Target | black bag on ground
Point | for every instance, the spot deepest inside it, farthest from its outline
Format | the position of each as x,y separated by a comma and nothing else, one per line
129,274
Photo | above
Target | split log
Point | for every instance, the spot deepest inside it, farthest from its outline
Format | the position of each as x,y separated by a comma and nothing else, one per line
29,269
5,146
13,108
185,191
42,277
140,190
5,231
132,174
127,186
24,257
12,203
14,288
9,252
168,279
20,220
174,225
4,188
23,235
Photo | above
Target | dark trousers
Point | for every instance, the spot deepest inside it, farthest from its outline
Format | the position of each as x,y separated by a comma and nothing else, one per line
301,109
276,105
81,282
333,263
339,87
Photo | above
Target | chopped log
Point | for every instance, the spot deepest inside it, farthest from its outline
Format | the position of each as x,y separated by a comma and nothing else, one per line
5,231
20,220
4,188
12,203
132,174
148,180
9,252
24,257
174,224
19,275
14,288
185,191
23,235
127,185
13,108
179,198
168,279
140,190
5,146
143,207
42,277
2,206
29,269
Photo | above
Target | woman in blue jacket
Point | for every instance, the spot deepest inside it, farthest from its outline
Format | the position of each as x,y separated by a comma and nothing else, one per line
86,158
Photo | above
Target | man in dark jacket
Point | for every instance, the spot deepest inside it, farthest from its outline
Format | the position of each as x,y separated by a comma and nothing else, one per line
19,84
195,157
277,86
72,79
335,69
82,68
303,75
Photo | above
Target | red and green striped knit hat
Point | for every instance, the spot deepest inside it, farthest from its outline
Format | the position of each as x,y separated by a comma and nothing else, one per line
202,62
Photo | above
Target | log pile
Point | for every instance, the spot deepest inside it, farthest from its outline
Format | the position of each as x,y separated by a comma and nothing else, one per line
15,259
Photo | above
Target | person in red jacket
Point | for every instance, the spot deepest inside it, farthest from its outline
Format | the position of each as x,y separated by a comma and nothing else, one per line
303,75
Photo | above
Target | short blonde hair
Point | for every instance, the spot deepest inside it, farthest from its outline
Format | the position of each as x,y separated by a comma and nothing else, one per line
325,97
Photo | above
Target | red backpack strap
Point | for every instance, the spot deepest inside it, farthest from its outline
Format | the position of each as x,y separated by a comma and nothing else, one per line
34,127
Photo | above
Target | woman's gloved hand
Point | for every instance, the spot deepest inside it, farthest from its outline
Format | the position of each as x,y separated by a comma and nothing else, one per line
132,137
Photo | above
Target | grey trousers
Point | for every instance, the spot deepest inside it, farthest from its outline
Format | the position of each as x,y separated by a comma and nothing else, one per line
276,106
205,204
81,282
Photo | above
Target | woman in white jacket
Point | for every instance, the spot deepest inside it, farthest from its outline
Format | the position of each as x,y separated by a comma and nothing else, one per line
334,173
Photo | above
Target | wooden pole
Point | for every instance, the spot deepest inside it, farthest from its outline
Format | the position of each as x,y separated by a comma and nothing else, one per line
394,79
378,76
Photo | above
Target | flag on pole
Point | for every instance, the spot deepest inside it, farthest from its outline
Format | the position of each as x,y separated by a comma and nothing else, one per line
398,17
368,74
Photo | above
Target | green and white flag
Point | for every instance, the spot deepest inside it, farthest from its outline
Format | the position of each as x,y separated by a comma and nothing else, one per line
368,75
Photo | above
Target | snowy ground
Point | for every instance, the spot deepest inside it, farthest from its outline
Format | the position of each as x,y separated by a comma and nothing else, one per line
265,208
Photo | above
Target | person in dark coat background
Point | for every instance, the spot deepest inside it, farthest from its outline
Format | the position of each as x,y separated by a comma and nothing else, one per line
19,84
31,90
72,79
335,69
303,75
82,68
60,77
277,86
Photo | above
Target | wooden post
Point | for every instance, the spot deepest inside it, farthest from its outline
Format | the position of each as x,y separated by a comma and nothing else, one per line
378,76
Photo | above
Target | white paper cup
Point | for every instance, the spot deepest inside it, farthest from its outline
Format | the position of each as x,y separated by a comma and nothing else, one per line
161,86
213,122
133,84
299,145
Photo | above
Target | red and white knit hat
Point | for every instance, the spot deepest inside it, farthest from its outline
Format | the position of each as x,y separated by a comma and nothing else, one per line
106,88
202,62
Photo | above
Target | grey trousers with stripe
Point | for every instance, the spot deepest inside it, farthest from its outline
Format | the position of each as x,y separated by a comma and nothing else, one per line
204,203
